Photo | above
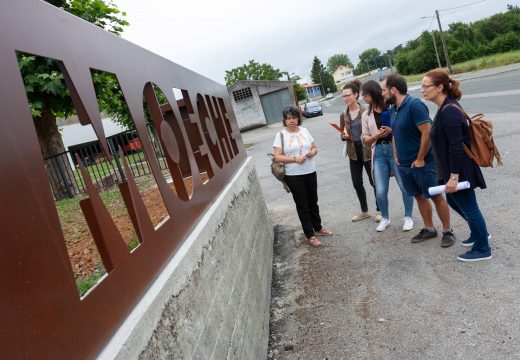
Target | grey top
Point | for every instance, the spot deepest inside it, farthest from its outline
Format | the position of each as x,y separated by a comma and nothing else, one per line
355,127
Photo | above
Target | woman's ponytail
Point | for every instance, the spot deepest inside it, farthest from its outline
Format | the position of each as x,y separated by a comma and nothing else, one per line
454,89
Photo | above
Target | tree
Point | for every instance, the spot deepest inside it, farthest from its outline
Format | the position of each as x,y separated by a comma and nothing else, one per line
372,58
495,34
48,95
319,75
252,71
336,60
299,92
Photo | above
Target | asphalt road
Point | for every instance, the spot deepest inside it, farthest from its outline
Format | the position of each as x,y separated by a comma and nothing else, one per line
491,94
369,295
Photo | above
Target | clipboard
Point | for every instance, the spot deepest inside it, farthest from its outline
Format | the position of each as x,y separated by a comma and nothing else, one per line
335,126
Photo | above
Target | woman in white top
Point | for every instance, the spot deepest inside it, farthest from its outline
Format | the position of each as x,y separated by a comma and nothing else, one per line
298,155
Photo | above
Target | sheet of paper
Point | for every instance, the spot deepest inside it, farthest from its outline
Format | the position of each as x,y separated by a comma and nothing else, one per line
436,190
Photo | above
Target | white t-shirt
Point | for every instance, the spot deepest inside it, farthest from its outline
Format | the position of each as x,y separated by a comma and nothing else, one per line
296,144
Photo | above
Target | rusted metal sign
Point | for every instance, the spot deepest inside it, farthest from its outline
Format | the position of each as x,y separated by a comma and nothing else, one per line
42,315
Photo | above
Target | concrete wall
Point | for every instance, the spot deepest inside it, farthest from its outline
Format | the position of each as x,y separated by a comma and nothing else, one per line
212,300
249,112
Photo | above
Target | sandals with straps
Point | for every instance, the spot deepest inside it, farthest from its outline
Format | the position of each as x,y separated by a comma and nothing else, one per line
325,232
314,241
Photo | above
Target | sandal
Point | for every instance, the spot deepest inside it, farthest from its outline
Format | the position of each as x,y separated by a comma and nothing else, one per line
314,241
325,232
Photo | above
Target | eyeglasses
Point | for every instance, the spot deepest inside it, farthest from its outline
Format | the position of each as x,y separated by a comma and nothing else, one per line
424,87
346,96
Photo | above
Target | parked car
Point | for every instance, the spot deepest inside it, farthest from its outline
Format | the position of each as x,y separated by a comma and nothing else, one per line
312,108
329,96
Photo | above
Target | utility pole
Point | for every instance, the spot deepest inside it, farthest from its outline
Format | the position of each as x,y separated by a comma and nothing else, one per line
436,52
448,63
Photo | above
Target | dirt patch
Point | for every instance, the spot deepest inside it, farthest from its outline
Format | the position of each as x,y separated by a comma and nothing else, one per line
84,256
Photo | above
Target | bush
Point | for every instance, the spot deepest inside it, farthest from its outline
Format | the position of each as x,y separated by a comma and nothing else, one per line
506,42
463,53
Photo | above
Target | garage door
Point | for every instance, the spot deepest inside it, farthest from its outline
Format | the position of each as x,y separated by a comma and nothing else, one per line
273,104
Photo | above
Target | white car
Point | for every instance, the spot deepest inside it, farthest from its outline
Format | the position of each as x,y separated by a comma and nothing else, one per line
329,96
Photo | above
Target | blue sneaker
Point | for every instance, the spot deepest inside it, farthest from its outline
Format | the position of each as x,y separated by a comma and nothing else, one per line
470,242
474,255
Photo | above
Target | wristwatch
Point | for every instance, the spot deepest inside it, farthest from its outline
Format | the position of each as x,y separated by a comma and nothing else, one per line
454,178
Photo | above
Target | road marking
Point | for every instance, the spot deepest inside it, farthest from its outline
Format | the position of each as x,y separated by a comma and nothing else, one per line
493,93
481,95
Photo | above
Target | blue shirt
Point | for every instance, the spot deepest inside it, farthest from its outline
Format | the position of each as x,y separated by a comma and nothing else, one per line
407,137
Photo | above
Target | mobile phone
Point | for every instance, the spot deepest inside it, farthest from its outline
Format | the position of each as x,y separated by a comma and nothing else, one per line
385,119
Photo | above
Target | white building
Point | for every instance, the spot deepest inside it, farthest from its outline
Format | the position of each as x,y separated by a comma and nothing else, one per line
342,74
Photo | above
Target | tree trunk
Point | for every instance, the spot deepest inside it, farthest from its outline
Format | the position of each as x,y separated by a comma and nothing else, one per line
57,164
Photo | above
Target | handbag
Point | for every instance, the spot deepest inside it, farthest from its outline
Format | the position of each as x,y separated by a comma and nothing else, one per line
278,168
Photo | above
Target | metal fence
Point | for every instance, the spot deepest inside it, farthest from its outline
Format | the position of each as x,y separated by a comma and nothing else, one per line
63,169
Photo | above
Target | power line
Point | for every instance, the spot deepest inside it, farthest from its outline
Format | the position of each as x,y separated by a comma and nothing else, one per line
429,26
461,6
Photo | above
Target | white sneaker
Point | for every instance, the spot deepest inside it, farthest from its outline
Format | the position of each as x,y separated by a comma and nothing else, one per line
378,216
383,224
407,224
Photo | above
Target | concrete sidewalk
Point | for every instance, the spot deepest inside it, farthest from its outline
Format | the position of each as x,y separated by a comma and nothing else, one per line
369,295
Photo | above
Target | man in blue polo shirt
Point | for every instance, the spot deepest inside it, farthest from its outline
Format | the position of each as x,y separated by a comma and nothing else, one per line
410,121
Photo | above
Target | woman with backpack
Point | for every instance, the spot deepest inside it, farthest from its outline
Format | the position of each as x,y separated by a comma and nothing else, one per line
377,134
448,135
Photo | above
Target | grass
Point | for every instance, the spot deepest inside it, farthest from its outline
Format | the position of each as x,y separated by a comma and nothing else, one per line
71,216
485,62
136,161
85,285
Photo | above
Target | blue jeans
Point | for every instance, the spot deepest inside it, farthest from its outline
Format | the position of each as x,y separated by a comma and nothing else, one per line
464,202
383,164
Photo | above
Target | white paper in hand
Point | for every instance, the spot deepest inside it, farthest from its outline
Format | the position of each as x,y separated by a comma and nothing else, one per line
436,190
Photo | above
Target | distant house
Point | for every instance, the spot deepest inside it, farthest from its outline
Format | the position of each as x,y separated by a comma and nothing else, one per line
260,102
313,90
342,74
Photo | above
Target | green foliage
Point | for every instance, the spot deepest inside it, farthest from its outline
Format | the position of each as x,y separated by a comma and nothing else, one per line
496,34
371,58
336,60
44,85
506,42
299,92
105,15
252,71
319,75
490,61
44,80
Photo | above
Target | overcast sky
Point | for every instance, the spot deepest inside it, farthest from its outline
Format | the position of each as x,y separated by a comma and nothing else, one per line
209,36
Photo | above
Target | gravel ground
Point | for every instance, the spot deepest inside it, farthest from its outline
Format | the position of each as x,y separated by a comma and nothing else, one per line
369,295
